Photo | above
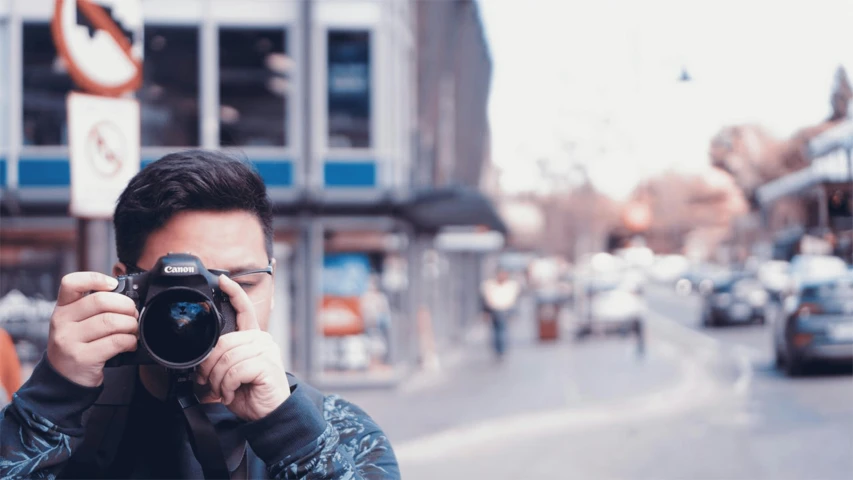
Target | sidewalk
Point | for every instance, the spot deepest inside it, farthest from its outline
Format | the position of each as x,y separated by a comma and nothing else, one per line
473,388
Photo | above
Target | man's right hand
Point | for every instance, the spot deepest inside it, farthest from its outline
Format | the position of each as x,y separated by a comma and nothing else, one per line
86,330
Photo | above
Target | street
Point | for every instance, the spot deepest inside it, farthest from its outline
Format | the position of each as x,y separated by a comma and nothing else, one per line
700,404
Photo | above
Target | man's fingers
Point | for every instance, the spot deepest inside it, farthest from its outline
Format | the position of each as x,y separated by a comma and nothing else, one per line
106,324
102,302
245,372
246,318
106,348
227,342
228,360
75,286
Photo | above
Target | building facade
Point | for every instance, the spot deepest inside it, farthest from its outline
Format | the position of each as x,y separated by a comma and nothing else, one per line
360,115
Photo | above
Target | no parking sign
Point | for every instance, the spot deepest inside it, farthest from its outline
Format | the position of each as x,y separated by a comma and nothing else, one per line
101,43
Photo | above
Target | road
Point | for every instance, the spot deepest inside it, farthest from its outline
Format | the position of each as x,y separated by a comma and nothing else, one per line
702,403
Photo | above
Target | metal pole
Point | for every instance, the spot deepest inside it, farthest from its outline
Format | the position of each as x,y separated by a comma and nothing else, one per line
850,201
311,227
307,92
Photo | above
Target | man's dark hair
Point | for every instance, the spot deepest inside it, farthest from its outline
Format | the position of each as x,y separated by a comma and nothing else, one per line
192,180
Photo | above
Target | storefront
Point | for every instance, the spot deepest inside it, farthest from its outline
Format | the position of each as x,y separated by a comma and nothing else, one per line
823,192
355,208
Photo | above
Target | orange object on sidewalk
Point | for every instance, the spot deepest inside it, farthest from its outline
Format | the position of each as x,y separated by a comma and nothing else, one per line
10,365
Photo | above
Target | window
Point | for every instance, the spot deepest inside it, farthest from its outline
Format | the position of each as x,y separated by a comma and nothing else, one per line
169,94
4,93
254,81
348,96
46,84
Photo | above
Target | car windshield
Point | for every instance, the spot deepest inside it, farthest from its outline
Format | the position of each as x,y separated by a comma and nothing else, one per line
818,267
837,289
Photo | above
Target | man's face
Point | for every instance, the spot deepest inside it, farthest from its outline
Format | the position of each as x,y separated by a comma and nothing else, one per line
232,241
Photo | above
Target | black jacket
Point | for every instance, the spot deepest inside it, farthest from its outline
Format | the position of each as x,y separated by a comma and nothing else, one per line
309,435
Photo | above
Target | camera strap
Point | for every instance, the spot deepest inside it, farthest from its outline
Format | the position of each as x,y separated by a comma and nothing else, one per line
203,438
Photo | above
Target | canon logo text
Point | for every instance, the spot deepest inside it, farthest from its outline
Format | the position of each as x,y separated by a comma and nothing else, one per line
174,269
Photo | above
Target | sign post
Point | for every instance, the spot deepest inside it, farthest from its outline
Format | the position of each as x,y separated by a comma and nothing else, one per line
101,43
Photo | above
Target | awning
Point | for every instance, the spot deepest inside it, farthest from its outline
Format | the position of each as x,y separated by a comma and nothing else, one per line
428,211
452,206
830,168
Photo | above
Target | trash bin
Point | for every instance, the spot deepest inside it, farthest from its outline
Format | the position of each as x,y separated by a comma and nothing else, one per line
548,318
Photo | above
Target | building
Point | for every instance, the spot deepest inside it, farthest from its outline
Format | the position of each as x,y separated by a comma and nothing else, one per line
366,119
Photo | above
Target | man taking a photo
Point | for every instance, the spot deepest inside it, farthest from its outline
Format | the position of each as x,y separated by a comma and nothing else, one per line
217,209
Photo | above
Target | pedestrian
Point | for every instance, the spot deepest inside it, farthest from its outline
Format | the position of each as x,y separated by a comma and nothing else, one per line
376,311
10,368
500,295
244,415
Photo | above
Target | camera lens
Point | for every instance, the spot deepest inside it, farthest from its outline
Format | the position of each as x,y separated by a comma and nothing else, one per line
179,327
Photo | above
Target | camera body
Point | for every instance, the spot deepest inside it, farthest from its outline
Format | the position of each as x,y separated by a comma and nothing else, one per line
182,312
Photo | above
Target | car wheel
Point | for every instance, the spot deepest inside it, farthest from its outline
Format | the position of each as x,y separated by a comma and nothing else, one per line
794,367
780,359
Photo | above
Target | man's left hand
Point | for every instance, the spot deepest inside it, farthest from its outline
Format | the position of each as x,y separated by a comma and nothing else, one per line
245,368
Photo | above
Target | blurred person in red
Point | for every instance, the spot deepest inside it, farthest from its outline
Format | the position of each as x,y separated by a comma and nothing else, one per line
500,295
10,368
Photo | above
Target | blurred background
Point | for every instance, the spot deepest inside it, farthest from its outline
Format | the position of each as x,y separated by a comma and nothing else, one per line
669,186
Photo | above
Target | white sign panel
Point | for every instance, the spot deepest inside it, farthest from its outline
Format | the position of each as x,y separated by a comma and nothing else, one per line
103,140
101,42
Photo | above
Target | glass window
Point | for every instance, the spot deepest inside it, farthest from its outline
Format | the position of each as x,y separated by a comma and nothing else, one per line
169,94
254,81
349,89
46,84
4,94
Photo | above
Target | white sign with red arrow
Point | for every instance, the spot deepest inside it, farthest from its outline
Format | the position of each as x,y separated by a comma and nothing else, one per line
103,140
101,43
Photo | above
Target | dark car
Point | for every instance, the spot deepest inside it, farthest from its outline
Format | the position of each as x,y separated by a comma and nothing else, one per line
817,325
700,279
735,299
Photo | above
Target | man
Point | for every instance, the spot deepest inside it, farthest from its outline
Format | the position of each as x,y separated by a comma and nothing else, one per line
216,208
500,295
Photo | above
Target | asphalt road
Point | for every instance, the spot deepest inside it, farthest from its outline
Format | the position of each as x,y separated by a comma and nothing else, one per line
702,403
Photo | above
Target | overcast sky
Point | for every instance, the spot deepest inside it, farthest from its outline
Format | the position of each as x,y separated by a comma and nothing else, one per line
596,82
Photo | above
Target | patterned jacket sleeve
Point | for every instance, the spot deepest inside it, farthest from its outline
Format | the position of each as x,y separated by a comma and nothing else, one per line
325,438
43,425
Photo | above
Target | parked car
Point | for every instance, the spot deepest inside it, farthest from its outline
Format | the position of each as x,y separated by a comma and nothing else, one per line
817,325
735,299
810,268
775,275
615,305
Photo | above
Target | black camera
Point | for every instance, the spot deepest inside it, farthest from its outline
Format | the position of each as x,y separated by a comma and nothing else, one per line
182,312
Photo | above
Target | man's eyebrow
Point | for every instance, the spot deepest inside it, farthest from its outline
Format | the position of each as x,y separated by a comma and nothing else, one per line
247,267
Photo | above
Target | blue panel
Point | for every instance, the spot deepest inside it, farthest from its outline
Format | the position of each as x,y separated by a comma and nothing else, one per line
276,173
51,172
350,174
44,172
2,172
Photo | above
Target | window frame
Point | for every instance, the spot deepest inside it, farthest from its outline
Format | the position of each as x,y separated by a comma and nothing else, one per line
288,150
330,152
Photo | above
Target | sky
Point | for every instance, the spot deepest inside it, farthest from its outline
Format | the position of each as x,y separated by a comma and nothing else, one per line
596,83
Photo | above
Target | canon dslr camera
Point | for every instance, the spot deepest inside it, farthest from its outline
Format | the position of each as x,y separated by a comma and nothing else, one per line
182,312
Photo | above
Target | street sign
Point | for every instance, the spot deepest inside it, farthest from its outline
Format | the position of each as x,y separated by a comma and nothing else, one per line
103,141
101,43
